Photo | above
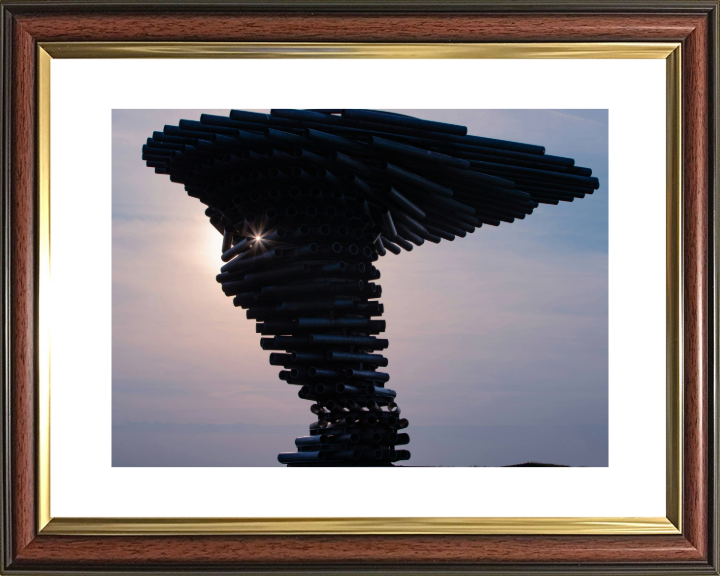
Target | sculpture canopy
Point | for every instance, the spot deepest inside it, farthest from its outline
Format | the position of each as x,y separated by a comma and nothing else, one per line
422,180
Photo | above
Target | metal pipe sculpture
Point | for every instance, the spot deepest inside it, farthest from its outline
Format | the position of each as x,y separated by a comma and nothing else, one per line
306,201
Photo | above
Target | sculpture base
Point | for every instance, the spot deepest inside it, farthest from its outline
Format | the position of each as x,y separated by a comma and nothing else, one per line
338,464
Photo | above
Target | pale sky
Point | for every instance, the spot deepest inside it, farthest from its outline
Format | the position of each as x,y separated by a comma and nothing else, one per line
498,341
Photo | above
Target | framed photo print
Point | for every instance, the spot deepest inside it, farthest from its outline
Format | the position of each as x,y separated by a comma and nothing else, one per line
358,289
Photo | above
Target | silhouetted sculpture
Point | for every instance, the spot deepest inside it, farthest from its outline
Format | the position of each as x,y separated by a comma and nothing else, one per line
306,201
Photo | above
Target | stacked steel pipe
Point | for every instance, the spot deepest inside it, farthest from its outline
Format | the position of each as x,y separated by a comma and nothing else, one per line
306,201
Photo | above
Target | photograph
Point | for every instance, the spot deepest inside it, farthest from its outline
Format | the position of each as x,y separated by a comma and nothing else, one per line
431,284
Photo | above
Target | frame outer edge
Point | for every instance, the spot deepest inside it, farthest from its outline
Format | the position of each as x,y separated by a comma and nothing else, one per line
5,59
712,257
374,6
696,344
21,286
714,265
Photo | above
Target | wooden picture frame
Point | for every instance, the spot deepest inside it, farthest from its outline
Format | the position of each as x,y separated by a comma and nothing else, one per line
33,544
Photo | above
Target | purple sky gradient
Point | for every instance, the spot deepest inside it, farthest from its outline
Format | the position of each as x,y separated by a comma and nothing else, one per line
498,342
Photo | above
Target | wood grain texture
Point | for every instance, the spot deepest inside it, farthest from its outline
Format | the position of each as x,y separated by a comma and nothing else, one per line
249,27
311,552
696,189
360,550
22,288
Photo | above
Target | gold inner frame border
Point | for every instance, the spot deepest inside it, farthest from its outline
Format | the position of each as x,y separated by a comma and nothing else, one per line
671,524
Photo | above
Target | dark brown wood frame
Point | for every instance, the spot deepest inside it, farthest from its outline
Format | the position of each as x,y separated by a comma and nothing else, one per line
24,24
